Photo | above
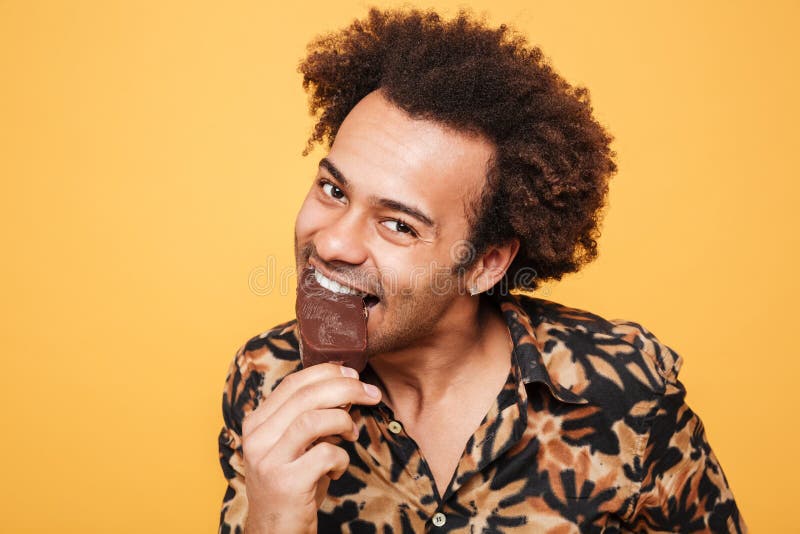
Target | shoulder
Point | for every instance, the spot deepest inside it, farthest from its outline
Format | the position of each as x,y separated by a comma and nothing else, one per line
600,358
258,367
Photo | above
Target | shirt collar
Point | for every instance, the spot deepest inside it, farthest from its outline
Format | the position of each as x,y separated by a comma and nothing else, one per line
539,356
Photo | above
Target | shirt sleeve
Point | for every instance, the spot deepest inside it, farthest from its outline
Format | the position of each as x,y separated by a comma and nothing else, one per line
683,488
237,396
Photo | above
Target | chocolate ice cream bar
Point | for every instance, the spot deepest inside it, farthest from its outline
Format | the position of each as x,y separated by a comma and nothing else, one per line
333,326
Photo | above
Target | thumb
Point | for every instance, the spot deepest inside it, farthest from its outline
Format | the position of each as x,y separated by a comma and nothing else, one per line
322,490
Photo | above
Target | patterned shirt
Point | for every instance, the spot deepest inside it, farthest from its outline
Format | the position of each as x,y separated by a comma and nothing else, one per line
589,434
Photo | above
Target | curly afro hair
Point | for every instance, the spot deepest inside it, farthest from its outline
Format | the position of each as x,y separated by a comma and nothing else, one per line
548,180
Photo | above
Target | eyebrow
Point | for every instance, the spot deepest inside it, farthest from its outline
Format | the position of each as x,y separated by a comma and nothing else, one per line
326,164
394,205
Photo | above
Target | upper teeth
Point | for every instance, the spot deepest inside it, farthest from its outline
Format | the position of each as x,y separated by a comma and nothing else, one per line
334,286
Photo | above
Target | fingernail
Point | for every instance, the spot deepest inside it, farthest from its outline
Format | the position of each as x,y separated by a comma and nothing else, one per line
349,372
372,391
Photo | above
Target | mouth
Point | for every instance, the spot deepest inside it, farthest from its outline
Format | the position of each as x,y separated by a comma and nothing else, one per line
370,300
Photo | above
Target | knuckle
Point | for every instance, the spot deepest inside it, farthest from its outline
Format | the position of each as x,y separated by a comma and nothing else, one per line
357,389
251,450
343,391
343,420
306,423
289,381
329,393
265,469
328,451
332,454
340,460
331,369
247,449
274,469
247,423
305,395
248,443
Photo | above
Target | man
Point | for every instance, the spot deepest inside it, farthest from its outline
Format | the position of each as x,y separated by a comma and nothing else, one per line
461,166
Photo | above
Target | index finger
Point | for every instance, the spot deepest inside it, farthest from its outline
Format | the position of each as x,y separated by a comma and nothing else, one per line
290,384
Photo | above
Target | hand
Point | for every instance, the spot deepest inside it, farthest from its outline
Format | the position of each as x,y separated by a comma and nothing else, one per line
286,473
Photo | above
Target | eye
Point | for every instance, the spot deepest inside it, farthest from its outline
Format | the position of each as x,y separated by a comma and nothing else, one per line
331,190
396,225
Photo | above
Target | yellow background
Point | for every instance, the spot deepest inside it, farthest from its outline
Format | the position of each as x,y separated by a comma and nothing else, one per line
151,171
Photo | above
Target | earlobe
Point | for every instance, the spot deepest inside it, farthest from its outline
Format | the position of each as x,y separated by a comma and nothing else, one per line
475,278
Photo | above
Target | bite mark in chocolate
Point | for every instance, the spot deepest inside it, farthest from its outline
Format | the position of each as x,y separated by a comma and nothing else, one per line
333,326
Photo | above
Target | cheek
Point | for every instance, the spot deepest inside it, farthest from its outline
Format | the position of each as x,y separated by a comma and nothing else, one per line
435,276
411,274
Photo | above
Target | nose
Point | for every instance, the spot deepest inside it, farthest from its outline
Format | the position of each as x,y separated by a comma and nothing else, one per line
342,240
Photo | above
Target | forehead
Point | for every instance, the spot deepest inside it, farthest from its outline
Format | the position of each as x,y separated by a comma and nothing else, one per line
384,152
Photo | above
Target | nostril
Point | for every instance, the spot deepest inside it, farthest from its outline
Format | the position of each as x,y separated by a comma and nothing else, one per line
347,249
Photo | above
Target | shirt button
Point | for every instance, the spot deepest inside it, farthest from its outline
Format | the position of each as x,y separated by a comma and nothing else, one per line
439,519
395,427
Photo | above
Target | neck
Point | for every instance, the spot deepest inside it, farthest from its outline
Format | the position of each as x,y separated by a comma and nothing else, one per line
471,347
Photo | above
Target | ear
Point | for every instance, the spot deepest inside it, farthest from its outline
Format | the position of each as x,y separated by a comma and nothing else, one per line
491,267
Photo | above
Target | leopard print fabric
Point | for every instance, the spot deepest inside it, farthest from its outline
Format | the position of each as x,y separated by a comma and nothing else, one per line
589,434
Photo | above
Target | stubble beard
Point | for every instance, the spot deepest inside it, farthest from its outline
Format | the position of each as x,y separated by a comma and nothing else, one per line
409,319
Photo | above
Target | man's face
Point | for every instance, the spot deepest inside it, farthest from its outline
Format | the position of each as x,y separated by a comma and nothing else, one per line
387,214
